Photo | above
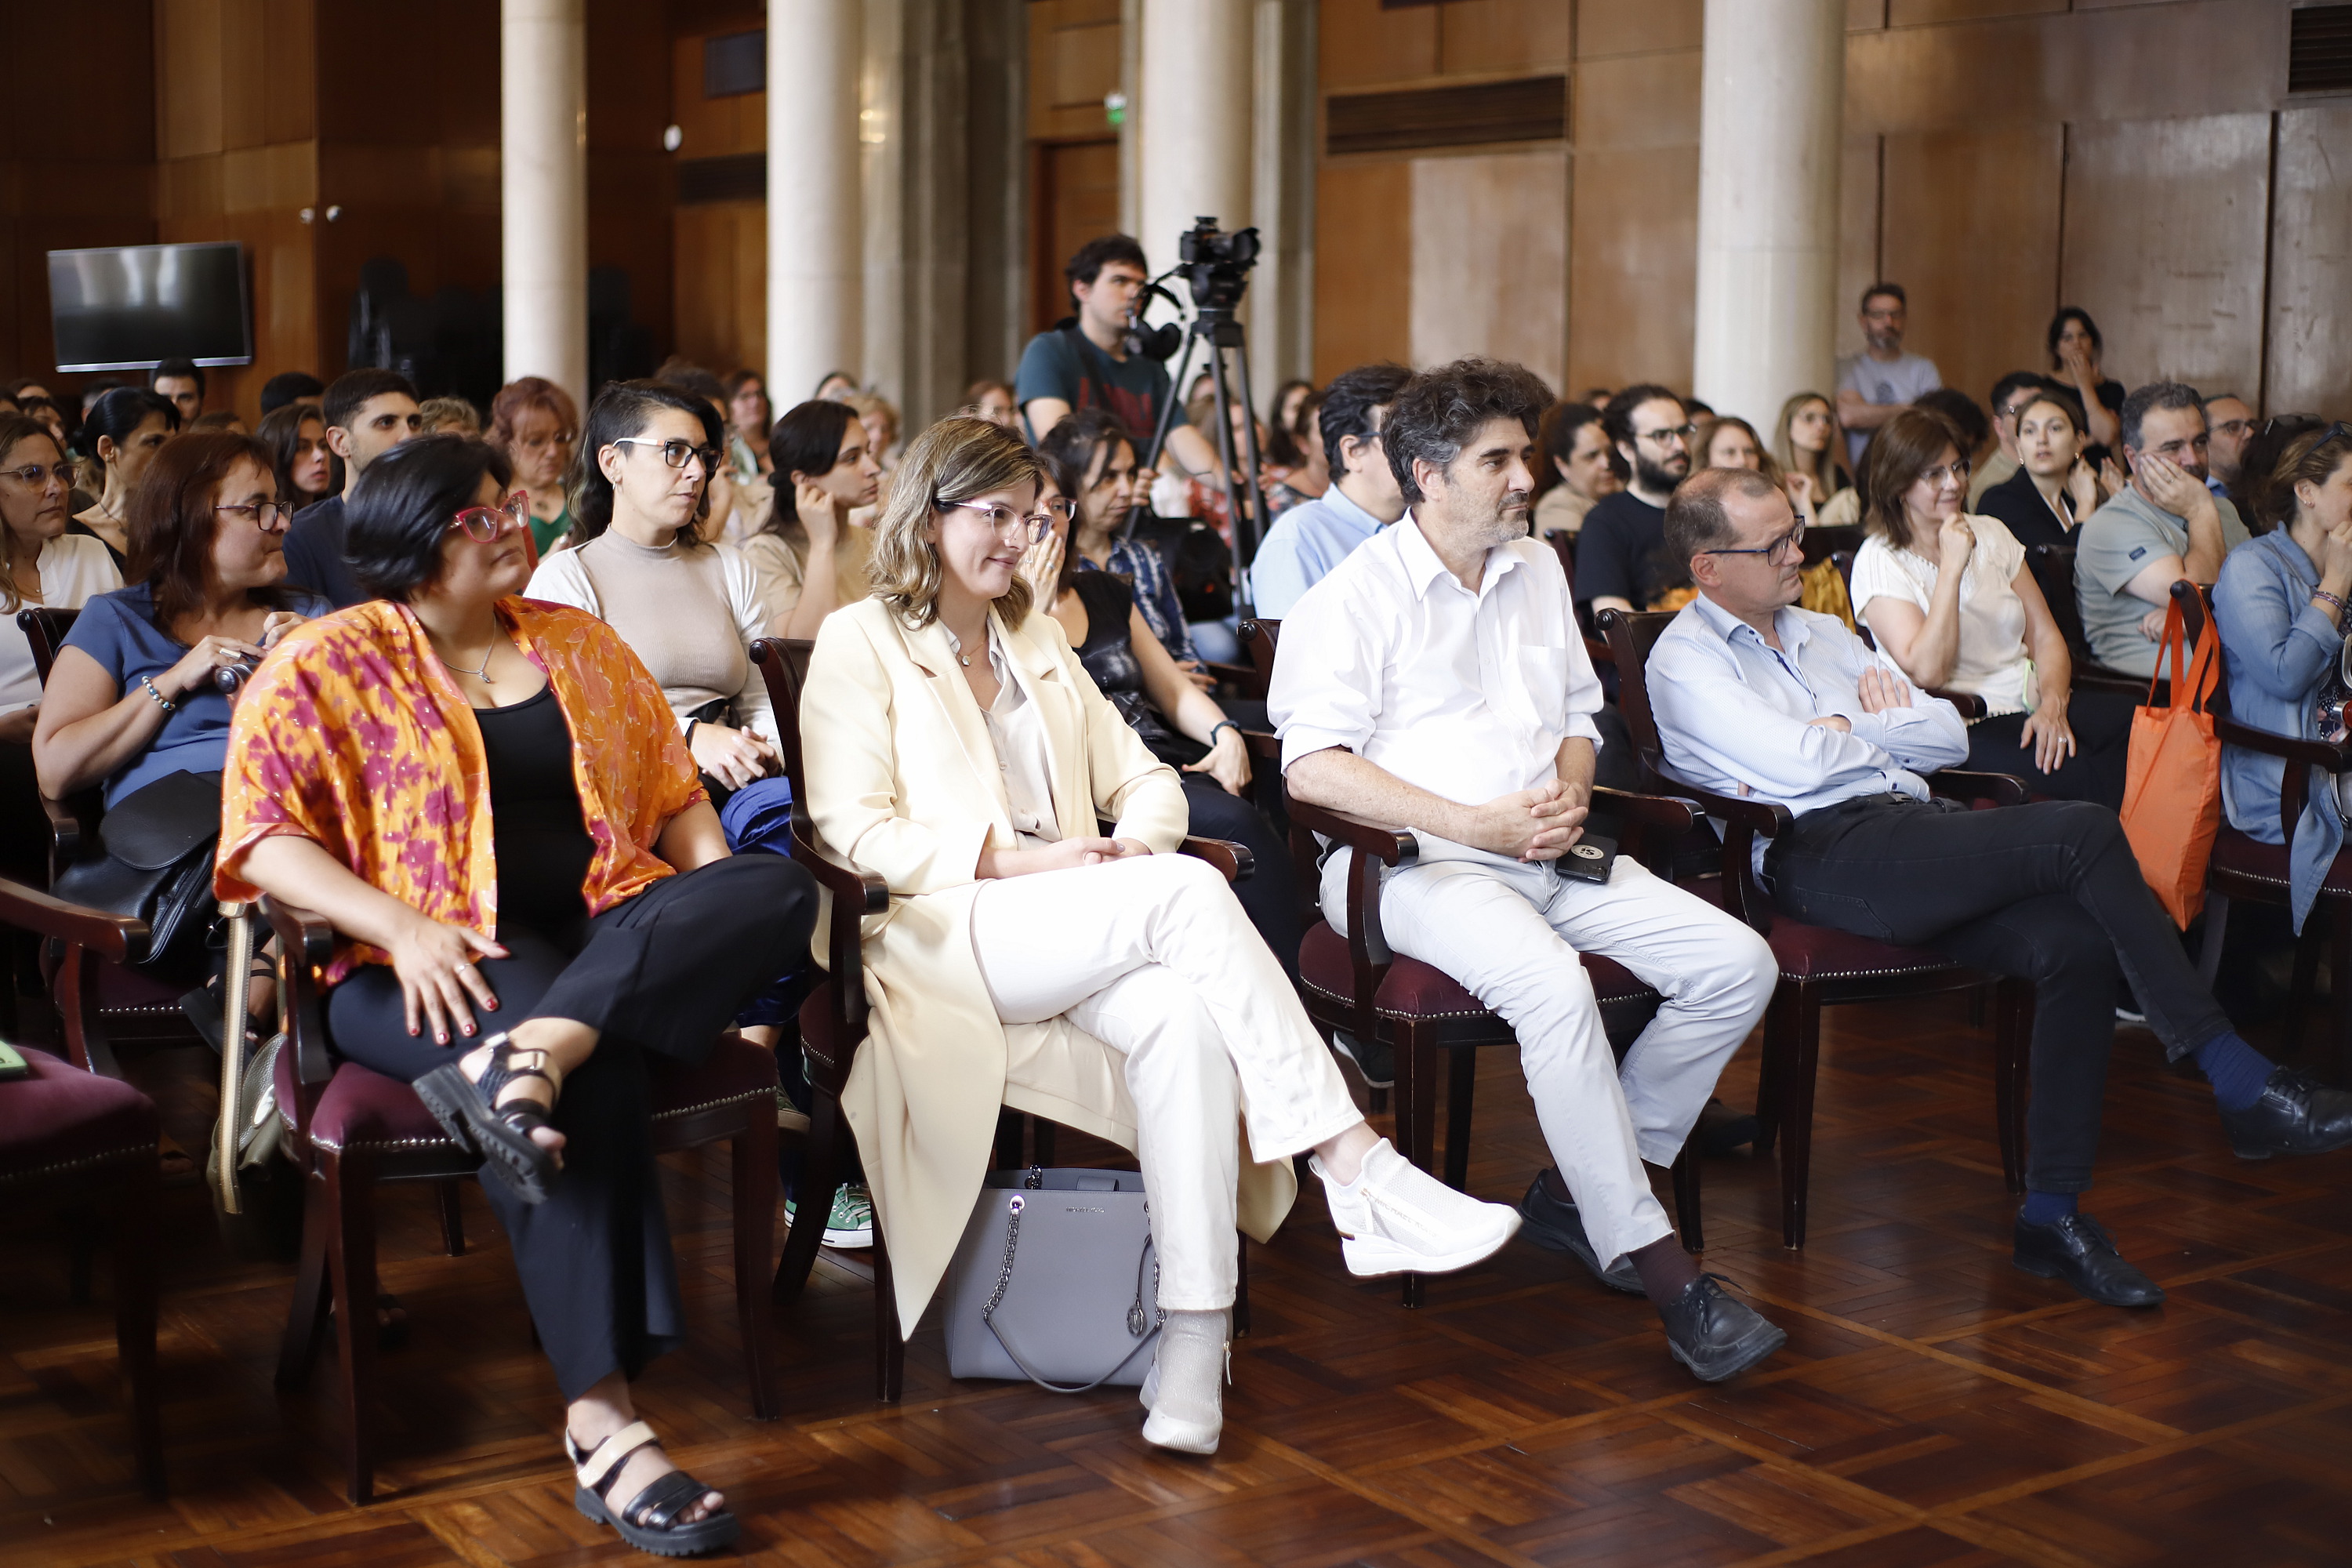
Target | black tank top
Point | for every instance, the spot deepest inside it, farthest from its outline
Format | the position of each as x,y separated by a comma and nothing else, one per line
542,841
1108,656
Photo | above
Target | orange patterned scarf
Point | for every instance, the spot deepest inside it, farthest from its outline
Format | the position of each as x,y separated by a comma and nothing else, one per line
352,735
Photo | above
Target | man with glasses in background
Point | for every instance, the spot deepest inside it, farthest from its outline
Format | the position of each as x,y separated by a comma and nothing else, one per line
1619,556
1756,698
367,412
2229,426
2162,527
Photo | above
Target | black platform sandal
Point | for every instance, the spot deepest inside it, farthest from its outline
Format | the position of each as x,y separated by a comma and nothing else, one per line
649,1520
469,1112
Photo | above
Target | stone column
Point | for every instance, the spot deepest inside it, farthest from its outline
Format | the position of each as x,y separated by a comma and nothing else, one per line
1769,125
1192,126
817,234
543,189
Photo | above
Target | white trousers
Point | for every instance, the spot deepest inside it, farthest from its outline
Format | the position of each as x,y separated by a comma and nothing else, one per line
1154,957
1509,934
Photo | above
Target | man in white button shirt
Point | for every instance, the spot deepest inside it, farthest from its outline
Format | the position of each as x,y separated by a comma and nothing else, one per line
1436,679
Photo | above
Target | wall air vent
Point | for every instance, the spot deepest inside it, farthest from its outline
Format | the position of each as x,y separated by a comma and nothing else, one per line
738,177
1533,109
2319,49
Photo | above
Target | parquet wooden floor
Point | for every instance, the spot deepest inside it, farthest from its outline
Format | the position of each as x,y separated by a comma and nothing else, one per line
1934,1407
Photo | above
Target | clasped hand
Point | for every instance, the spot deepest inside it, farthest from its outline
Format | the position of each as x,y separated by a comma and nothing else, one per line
1533,824
1070,852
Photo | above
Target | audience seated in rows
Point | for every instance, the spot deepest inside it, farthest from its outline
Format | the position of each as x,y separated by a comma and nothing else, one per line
1882,378
367,413
1620,565
535,423
183,382
1808,444
1575,471
2229,424
123,429
1754,696
2161,528
1949,599
810,558
2055,489
2076,345
2010,395
48,565
956,748
621,927
1307,542
289,387
296,435
2280,607
1111,476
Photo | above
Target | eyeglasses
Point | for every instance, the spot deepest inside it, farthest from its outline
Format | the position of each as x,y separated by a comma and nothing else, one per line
675,451
63,473
1002,518
1062,508
268,516
1775,554
484,525
1937,476
1681,433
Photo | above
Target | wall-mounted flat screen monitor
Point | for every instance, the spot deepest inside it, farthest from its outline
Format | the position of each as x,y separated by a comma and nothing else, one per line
126,307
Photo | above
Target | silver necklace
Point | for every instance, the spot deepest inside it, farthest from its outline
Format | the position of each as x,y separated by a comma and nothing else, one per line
481,674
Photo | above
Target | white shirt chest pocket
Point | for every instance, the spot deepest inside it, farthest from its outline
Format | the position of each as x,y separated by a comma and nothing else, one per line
1544,681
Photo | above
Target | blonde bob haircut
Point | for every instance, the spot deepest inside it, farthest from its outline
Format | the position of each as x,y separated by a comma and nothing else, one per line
955,460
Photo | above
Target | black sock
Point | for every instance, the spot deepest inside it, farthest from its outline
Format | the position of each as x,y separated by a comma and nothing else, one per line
1666,1270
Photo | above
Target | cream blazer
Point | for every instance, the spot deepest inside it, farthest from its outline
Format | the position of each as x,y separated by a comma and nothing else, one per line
903,781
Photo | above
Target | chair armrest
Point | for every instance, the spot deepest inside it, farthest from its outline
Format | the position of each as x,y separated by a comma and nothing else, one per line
108,936
1243,678
1389,846
2299,755
1233,859
2099,678
1968,703
305,942
1598,651
65,834
1957,783
1651,822
1742,820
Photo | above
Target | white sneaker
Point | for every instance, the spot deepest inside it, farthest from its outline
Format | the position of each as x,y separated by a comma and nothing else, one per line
1398,1218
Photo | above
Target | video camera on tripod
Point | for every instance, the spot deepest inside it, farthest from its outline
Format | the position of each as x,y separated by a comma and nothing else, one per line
1216,266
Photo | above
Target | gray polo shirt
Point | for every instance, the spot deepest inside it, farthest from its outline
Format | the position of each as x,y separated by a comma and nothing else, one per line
2116,544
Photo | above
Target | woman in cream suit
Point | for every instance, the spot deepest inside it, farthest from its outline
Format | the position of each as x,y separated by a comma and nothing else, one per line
956,748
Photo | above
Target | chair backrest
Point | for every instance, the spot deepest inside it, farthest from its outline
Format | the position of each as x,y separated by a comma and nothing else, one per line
2192,600
1822,543
46,630
1563,544
2053,566
1631,638
783,664
1843,561
1259,639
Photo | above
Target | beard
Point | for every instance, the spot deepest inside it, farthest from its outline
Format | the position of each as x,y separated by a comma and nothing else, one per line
1661,477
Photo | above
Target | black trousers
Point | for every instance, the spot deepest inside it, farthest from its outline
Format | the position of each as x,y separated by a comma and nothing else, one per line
2049,892
663,975
1270,896
2101,725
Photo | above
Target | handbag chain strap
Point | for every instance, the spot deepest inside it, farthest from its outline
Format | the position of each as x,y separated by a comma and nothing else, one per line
1034,1181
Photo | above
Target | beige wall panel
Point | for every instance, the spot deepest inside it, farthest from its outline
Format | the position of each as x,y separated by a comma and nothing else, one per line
1490,259
1360,45
1920,13
1632,266
1971,233
1857,238
2311,263
1363,265
245,78
721,267
1864,15
2164,245
2207,58
290,66
1074,61
1605,27
1639,100
713,127
1476,37
188,88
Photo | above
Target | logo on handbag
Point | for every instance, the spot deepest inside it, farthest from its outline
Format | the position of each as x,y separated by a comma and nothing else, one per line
1081,1211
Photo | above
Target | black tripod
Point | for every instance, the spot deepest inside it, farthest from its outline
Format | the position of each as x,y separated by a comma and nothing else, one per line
1217,327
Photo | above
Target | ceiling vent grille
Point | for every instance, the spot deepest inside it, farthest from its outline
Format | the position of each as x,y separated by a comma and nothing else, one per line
1533,109
2319,49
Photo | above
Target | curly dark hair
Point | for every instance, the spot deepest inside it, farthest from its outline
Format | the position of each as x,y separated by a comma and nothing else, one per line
1440,411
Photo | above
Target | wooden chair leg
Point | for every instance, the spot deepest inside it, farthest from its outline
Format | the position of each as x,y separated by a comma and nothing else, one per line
2306,981
1241,1285
2013,1047
1416,1119
1012,1138
1768,1070
134,1314
298,1348
2339,985
1800,1064
1376,1102
756,1198
1687,1219
820,1179
351,1260
889,1344
448,1195
1461,1087
1041,1140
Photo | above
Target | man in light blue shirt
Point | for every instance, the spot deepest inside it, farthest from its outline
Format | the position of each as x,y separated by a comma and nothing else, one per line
1756,697
1308,539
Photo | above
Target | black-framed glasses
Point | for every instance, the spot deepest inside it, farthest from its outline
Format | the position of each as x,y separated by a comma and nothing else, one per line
1775,554
33,474
676,451
1682,433
268,516
484,525
1002,518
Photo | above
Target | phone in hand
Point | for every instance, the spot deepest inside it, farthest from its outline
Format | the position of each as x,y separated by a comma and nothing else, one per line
1589,859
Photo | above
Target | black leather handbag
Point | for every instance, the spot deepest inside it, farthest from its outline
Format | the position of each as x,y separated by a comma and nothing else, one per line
156,864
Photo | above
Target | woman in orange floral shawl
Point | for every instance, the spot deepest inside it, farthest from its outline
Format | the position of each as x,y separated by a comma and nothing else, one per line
488,798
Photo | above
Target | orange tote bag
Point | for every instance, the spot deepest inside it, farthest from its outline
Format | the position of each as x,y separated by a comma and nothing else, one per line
2172,785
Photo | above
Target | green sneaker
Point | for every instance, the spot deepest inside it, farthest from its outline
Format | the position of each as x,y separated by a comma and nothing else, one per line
851,1223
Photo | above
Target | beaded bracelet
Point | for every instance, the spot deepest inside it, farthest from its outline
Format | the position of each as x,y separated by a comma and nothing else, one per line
2323,594
168,705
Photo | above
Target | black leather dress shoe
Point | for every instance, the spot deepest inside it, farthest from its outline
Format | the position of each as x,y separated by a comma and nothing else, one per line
2295,1116
2077,1248
1374,1062
1714,1335
1722,1130
1550,1223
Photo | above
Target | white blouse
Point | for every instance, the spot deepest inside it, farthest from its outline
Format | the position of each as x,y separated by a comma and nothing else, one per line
75,569
1017,731
1994,662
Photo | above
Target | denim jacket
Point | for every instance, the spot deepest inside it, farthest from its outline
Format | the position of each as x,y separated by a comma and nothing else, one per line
2278,649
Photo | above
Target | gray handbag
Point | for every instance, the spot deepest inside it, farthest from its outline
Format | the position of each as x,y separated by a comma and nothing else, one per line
1056,1281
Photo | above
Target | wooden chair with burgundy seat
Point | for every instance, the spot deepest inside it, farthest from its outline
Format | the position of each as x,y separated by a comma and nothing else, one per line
2245,867
832,1020
2053,566
93,1142
1820,967
350,1130
1357,985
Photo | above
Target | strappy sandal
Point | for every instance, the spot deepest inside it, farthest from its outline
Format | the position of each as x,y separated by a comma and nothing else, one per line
468,1110
649,1520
